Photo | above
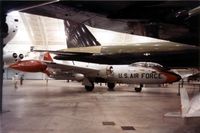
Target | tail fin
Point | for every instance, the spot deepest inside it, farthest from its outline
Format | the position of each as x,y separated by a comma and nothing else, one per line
78,35
47,57
185,103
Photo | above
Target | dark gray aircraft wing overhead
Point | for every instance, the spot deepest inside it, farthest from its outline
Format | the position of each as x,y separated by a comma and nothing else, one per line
82,46
168,20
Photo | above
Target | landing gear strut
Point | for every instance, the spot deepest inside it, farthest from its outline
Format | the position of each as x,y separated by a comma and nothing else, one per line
111,86
139,89
89,88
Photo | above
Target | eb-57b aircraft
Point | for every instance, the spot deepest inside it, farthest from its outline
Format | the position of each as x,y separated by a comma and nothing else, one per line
137,73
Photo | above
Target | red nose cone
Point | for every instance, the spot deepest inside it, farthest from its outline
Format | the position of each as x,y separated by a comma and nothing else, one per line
172,77
29,66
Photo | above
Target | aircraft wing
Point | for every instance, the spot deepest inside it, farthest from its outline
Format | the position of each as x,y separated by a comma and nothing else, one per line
73,68
60,52
116,15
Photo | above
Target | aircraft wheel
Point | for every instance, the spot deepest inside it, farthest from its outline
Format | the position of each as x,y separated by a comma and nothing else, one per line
111,86
89,88
138,89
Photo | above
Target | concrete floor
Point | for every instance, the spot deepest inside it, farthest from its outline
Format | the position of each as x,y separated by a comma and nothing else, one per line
64,107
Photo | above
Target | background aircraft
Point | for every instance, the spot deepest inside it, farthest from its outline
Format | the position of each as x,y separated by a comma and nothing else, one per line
176,21
138,73
9,22
182,17
83,46
190,112
9,28
189,107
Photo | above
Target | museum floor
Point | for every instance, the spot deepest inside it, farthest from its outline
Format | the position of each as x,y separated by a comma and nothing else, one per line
62,107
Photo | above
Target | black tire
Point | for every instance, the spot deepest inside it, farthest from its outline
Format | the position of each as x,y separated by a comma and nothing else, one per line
138,89
89,88
111,86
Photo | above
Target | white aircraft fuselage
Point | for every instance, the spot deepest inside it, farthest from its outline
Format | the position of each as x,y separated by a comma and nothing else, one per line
138,73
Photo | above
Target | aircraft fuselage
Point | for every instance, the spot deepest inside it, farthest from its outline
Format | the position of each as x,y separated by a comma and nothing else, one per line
138,75
172,55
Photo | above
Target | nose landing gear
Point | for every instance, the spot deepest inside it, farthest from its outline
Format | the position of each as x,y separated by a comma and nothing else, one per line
139,89
89,88
111,86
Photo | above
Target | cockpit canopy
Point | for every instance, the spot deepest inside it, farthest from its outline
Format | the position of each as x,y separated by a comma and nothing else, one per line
146,64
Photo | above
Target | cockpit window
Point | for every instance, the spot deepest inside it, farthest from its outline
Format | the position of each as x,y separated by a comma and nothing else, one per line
146,64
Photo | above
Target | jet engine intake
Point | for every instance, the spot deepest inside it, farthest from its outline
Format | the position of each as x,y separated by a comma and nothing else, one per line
21,56
10,57
14,55
106,72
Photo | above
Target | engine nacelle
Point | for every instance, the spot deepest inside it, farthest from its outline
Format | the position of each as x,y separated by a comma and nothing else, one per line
21,56
106,72
67,76
12,57
79,77
10,28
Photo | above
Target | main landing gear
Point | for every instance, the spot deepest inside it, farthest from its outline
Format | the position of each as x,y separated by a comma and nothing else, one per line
89,88
139,89
111,86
